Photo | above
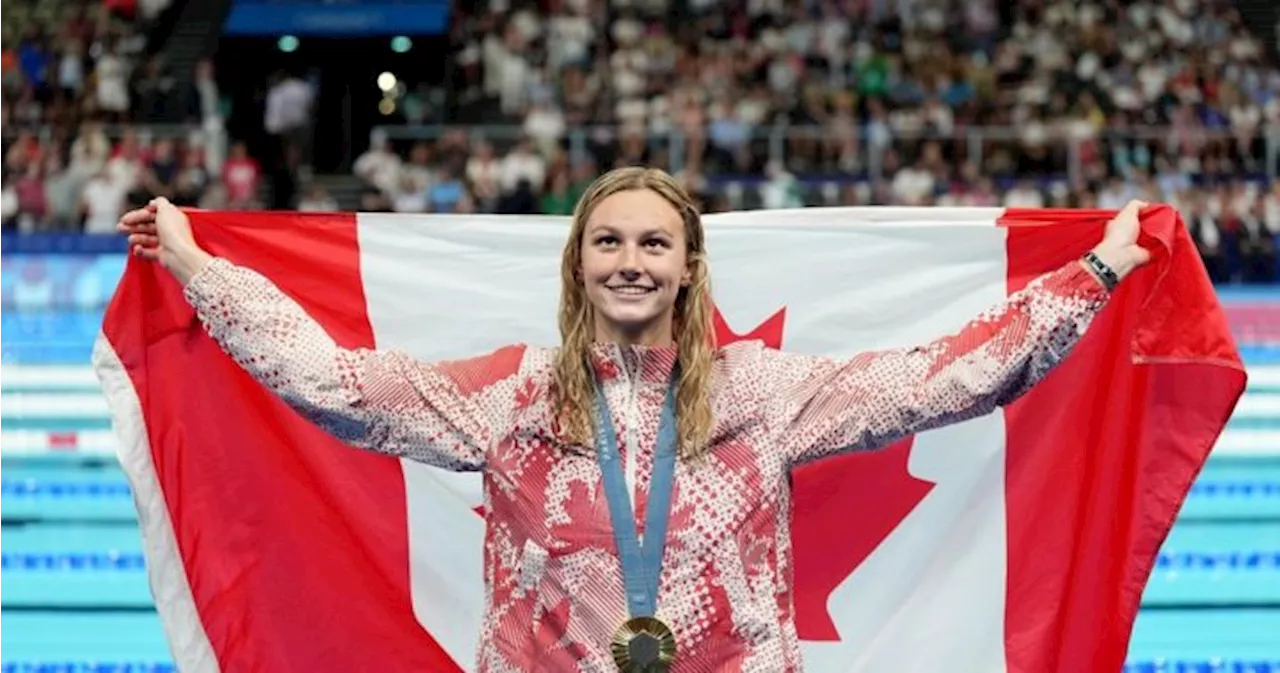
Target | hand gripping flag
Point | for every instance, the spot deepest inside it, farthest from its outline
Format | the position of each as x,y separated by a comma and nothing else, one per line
1018,541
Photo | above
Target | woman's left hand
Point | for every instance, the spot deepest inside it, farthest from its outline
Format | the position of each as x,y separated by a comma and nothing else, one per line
1119,248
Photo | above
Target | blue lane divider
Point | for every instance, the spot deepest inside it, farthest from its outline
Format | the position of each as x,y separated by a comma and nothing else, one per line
1226,560
24,488
1227,489
73,561
87,667
1206,666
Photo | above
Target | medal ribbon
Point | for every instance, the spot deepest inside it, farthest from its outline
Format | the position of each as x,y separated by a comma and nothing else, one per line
641,562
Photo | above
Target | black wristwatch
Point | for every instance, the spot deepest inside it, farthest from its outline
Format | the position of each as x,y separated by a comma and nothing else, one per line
1106,273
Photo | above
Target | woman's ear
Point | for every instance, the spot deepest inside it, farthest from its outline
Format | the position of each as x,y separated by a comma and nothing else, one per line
686,278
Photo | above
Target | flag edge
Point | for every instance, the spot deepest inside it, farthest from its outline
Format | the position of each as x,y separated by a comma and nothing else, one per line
185,636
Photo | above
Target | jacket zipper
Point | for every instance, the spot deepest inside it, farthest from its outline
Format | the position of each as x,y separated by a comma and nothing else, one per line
633,414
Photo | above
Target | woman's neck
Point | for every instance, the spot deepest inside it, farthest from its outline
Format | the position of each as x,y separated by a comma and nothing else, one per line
657,336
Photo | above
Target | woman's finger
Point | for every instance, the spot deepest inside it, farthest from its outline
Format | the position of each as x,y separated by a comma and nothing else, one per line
1133,207
138,217
135,228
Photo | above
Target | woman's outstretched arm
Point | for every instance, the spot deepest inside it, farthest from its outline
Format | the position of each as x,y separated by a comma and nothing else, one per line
445,414
824,406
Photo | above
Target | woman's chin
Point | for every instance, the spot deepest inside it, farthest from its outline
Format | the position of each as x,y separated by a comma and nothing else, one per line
630,322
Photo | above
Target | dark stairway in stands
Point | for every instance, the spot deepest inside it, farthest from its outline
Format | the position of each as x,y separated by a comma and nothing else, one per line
1262,17
185,34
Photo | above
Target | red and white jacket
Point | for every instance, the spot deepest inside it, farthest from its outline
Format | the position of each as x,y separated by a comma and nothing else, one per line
552,578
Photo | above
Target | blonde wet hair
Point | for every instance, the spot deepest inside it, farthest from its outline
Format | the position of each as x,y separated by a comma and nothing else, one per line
575,384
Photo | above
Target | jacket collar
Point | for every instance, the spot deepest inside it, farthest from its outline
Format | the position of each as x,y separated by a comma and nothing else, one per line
643,364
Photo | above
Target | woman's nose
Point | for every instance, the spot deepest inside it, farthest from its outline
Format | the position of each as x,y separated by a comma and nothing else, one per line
630,259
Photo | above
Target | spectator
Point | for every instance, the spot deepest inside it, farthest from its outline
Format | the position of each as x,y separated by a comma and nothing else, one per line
102,202
191,180
288,116
914,185
159,175
419,170
126,165
61,189
205,107
379,168
317,200
32,202
545,126
484,172
9,206
781,190
448,194
90,151
1207,234
1257,245
558,200
241,178
112,75
410,197
522,164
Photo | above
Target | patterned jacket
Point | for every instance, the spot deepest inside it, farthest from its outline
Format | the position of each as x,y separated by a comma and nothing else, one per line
552,578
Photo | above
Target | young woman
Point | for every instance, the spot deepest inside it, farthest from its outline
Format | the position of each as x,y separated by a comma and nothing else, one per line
636,411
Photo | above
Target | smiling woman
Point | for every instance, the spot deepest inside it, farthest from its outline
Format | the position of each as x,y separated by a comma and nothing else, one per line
634,272
634,265
689,567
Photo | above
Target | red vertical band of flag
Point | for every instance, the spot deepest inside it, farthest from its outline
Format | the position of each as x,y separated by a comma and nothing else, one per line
1102,453
294,546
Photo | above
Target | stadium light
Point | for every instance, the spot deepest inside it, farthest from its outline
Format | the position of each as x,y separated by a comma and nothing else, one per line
386,81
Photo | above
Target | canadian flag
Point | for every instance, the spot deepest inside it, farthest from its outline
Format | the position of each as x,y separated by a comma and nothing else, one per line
1018,541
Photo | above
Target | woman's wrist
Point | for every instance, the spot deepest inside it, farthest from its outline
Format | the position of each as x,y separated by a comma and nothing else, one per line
1111,263
187,262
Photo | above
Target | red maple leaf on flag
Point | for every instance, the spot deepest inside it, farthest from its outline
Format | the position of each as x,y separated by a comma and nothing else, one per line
769,331
875,490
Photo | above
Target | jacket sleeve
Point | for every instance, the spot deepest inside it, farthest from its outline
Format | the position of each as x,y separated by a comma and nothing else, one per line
824,406
445,414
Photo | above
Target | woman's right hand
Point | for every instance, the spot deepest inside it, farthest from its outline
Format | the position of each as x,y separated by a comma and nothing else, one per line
159,232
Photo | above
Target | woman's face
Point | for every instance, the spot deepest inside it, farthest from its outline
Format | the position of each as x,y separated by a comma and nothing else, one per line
634,264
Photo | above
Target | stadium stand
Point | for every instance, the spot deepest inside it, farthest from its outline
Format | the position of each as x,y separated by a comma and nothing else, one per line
753,103
759,104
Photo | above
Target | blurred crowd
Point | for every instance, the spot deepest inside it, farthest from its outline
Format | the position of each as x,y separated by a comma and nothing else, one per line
768,103
79,92
753,104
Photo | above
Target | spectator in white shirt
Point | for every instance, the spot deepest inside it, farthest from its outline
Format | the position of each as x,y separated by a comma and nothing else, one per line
1025,195
380,167
102,202
914,186
523,164
484,172
288,117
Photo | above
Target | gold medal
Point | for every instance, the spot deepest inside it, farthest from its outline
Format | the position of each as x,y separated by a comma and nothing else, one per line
643,645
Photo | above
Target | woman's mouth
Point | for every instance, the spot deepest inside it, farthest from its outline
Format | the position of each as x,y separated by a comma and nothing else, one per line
630,290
